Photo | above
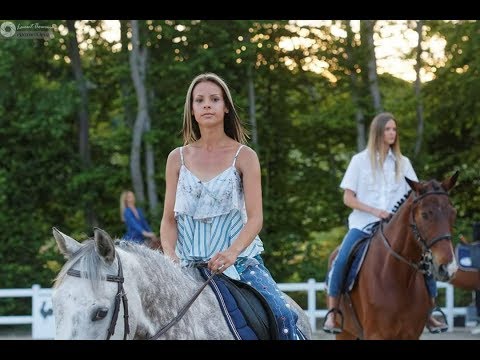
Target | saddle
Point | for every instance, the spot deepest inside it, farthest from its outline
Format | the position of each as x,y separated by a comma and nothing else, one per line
245,307
468,255
354,263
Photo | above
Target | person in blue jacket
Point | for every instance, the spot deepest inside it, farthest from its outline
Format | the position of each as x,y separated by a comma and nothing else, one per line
138,229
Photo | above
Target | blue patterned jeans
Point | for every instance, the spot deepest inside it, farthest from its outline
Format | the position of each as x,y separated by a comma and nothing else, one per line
260,278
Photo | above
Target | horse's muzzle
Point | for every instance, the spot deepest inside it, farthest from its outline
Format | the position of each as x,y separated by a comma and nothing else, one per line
446,272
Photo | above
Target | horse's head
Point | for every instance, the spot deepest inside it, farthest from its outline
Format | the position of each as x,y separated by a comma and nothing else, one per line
432,220
86,289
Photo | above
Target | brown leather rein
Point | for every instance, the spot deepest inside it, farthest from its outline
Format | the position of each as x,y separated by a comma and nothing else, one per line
425,263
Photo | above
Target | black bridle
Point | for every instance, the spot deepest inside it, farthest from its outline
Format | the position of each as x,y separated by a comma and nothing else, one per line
425,264
119,279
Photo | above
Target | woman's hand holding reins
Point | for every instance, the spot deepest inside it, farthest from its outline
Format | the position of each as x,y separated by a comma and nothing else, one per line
222,260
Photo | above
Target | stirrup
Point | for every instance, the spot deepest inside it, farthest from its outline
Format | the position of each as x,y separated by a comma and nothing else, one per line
333,330
440,329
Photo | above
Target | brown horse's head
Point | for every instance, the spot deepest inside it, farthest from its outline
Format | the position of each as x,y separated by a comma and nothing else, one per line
432,221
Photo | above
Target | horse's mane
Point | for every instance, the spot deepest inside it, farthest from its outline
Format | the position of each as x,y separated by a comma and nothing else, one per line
94,267
376,225
401,201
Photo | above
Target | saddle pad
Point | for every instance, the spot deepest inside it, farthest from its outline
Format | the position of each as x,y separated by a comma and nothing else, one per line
356,258
234,317
468,256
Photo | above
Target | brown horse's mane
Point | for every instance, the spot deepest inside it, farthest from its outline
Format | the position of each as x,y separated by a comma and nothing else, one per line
401,201
376,225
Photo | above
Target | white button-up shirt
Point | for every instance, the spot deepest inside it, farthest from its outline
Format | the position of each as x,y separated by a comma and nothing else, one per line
379,189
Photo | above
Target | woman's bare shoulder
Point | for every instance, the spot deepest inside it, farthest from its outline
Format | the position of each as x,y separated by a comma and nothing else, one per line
174,156
247,156
247,149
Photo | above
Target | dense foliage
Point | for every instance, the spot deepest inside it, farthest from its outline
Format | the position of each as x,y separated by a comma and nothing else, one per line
306,131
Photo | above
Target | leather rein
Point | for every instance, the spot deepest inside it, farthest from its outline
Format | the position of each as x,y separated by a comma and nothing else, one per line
425,264
121,295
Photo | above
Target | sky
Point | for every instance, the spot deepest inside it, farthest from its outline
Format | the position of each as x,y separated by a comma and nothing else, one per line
393,43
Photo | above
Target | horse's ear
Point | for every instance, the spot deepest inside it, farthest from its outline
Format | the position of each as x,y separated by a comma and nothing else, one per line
413,184
449,183
104,245
66,244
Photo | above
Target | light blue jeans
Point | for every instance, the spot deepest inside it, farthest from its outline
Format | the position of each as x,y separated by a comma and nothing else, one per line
431,286
339,265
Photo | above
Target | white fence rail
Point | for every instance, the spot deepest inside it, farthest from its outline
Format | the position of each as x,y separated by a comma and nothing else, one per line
43,323
311,287
41,319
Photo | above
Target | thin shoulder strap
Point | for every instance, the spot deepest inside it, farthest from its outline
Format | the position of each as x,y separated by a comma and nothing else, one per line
236,155
181,154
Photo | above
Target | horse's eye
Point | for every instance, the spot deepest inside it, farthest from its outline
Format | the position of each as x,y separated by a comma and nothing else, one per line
424,215
99,314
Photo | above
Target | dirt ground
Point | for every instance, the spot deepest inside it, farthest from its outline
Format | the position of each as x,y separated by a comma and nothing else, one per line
460,333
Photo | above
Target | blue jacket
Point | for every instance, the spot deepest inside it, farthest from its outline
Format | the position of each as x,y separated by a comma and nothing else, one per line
135,226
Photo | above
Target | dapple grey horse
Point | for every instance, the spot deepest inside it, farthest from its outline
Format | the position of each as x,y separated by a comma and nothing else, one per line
89,294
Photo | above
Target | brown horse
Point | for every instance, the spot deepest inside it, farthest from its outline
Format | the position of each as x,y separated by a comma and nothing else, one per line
466,278
390,299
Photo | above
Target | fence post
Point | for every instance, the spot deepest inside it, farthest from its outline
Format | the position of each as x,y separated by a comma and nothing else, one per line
312,304
450,305
43,323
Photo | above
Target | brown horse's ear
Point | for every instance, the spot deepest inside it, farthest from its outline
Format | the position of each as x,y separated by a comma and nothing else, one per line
413,184
449,183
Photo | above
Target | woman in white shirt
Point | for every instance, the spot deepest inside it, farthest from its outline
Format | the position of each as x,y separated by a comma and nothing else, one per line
373,183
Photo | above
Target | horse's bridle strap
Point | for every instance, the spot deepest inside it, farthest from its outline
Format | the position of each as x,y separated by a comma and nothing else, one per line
395,254
420,197
111,278
120,295
425,246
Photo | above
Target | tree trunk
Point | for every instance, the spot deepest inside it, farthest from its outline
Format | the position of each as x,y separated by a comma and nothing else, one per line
372,67
251,107
125,84
83,143
74,55
418,88
150,169
138,60
359,113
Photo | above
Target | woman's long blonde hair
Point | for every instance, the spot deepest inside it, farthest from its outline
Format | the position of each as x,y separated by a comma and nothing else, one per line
376,143
233,126
123,204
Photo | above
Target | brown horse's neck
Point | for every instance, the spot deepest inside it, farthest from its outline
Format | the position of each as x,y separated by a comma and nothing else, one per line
402,240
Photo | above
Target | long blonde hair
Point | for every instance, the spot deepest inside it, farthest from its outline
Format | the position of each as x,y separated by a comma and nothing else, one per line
376,143
232,124
123,205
